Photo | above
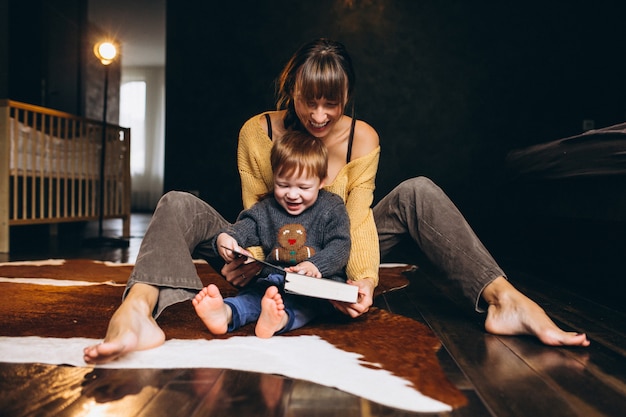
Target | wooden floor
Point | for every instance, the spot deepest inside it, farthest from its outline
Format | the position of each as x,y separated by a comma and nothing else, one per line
501,376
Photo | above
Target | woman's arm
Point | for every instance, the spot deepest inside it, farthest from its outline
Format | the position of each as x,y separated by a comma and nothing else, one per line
356,185
253,161
364,260
256,179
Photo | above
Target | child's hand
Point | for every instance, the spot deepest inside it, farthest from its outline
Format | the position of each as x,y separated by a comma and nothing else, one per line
227,247
305,268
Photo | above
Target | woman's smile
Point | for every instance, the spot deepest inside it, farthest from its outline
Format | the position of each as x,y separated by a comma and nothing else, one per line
319,125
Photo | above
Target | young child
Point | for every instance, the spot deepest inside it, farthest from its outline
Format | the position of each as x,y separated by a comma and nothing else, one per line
299,226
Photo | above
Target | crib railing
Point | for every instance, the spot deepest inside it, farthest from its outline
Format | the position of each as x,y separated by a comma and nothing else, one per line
50,169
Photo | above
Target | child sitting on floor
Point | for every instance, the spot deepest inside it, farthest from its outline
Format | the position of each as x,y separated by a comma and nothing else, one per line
300,226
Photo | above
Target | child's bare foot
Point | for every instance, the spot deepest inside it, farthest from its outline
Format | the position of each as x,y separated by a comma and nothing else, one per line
273,316
212,310
512,313
131,328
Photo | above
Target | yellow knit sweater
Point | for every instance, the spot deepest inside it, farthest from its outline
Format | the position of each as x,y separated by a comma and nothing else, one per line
354,184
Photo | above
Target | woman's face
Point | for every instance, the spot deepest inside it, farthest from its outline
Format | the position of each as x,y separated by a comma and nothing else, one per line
318,116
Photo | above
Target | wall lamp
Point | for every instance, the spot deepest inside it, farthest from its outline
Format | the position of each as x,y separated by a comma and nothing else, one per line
105,51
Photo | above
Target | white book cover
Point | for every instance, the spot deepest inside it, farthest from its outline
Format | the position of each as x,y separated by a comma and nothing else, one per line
320,288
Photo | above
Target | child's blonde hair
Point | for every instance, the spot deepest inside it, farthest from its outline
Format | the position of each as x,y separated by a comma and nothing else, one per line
299,152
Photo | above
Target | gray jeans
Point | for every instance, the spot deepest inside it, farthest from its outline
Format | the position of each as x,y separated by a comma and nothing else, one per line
183,227
419,208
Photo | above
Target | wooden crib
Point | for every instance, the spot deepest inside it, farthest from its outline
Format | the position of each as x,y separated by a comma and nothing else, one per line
50,169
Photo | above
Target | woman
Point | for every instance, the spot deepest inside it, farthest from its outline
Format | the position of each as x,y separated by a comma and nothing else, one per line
313,91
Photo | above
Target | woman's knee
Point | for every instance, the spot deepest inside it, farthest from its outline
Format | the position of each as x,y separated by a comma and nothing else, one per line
176,200
420,186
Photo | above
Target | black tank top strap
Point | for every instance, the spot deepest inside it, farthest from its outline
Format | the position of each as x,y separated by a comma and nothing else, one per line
351,137
269,125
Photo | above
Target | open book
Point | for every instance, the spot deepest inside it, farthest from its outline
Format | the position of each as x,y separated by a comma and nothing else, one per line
310,286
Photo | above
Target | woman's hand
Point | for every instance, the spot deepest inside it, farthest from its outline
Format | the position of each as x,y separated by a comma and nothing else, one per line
364,301
239,272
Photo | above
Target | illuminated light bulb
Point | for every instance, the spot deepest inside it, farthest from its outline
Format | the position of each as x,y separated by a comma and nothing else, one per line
105,52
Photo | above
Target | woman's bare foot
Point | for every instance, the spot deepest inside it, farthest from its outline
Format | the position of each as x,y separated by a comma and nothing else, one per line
512,313
131,328
212,310
273,316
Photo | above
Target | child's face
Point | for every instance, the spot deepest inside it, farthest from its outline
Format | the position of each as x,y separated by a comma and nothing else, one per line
296,193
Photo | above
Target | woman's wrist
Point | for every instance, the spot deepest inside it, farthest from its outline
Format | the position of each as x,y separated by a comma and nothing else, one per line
366,282
371,280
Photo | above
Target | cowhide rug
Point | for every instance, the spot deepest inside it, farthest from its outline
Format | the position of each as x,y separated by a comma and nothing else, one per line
50,310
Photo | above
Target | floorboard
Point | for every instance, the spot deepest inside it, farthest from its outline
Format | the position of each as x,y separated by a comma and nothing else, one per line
500,376
518,376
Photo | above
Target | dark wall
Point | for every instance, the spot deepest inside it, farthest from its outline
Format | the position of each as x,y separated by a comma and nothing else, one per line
46,58
4,48
450,86
44,53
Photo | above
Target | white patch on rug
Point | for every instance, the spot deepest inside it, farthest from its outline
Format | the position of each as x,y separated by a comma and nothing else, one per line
109,263
395,265
45,262
300,357
58,282
113,264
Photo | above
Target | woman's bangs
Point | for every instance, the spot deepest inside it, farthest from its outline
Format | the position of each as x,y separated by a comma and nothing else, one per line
322,81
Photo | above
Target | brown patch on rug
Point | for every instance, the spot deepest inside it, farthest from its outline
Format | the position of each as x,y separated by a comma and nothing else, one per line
399,344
